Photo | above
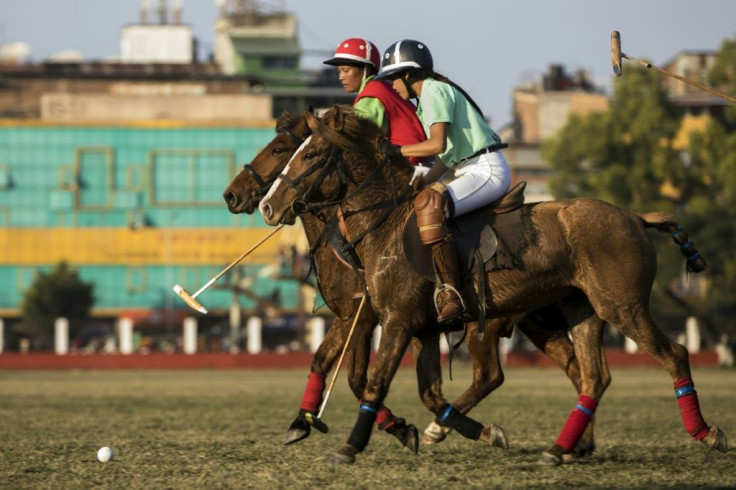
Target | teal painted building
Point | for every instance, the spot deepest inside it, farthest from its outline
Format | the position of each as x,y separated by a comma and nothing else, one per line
135,208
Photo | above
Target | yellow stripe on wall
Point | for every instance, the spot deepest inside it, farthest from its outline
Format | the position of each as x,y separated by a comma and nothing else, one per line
109,246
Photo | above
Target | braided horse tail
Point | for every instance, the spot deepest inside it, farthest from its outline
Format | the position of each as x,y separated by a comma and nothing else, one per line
666,223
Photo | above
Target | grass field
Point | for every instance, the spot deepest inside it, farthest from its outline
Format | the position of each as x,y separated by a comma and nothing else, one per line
224,429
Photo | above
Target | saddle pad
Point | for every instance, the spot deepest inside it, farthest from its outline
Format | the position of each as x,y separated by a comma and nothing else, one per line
499,239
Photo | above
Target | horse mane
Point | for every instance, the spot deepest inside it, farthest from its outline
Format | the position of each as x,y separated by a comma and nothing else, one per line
343,127
286,120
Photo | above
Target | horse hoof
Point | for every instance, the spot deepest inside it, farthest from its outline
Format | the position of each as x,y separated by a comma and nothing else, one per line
494,435
550,458
345,455
553,456
295,435
409,437
716,439
434,433
298,430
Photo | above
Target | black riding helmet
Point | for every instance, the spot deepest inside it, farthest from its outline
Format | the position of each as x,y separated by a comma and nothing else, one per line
403,56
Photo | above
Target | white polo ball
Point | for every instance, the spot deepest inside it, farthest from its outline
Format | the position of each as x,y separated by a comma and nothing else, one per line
105,454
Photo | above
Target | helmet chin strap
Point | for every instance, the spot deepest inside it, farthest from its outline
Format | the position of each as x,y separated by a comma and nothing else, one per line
409,90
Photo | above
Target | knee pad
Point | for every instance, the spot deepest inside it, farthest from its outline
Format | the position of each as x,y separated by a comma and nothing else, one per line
431,206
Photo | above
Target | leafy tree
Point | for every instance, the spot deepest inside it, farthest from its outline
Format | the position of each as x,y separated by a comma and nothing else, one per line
57,293
627,156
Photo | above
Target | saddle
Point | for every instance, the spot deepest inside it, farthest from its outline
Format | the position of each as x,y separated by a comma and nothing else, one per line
491,232
489,238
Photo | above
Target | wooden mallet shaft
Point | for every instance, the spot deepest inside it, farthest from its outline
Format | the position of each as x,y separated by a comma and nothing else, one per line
617,54
190,300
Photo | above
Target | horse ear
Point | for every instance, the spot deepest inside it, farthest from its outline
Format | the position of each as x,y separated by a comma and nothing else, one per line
339,119
312,121
310,108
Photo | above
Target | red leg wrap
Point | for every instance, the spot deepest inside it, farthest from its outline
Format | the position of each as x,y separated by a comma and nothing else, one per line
576,423
385,416
313,392
690,410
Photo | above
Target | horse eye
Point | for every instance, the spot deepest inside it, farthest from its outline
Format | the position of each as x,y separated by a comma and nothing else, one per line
309,155
277,151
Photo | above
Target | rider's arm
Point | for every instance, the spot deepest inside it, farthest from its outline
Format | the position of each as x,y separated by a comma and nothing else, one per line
434,145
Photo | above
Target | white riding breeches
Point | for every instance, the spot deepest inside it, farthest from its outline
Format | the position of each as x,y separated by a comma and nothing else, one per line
477,181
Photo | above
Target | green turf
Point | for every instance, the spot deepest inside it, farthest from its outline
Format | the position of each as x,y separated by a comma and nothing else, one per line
224,429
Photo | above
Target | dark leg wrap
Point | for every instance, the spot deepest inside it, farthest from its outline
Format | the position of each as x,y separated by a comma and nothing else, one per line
362,430
464,425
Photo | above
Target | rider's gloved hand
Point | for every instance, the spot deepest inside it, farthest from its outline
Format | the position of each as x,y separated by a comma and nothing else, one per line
389,149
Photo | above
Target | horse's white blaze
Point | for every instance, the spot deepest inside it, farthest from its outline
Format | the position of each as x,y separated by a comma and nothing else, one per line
275,185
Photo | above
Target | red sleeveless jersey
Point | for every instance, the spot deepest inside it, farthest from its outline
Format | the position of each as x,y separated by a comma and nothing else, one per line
404,127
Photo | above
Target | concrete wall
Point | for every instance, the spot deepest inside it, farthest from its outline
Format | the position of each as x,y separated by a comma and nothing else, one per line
103,107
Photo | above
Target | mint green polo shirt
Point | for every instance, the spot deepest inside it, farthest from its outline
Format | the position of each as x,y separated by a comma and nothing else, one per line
371,108
467,132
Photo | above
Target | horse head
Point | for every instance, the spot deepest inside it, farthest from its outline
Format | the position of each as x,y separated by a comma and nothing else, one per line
251,184
342,154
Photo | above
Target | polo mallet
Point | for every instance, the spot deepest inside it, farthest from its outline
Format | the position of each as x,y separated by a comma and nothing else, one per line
190,300
316,420
617,54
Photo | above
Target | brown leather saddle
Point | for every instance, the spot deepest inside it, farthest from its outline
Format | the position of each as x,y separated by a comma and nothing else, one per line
491,234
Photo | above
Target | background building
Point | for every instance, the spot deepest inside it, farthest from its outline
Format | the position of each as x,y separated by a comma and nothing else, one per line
541,108
118,168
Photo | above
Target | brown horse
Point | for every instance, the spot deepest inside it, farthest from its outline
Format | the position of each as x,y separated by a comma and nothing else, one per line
593,258
547,332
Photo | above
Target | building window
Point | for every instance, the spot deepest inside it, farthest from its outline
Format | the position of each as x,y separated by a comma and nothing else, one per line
280,62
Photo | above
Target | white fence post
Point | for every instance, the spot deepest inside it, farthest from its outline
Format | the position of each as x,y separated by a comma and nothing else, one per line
190,335
316,329
254,325
61,336
376,339
125,335
630,346
692,335
444,346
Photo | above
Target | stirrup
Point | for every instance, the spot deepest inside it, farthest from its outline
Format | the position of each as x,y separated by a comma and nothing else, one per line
439,289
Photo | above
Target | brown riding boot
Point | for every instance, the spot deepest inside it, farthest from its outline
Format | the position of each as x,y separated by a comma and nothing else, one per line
431,206
448,297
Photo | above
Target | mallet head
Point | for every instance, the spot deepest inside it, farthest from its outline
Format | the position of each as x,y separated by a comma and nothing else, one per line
189,300
316,422
616,53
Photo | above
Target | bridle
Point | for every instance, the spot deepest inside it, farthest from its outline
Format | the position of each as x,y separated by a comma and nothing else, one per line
265,185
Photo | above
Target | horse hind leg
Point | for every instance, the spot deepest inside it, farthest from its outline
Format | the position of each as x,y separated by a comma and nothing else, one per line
487,376
674,358
549,335
587,332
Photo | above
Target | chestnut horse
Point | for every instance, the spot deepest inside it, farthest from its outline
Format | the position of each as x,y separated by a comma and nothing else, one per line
547,332
593,258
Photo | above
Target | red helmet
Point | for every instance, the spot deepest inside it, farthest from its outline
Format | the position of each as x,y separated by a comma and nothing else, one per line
356,51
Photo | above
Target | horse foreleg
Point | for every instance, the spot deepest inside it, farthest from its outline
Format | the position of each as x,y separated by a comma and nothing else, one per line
487,376
358,361
322,361
449,417
393,345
